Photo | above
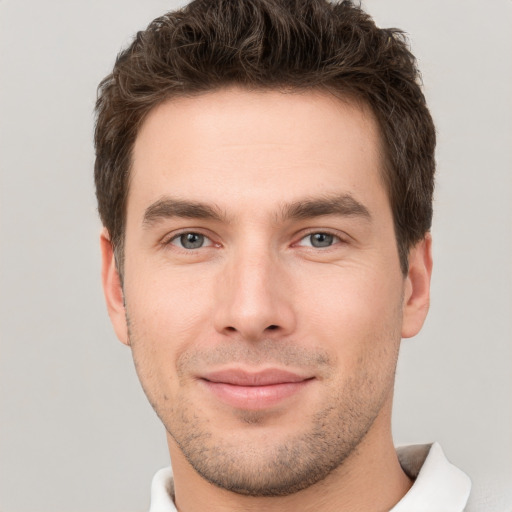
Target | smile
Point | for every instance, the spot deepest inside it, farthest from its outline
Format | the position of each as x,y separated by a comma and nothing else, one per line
254,391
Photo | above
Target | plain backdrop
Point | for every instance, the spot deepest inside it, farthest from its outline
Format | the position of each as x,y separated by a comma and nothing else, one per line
76,433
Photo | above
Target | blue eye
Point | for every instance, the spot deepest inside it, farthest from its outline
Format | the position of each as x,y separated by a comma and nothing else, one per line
191,241
319,240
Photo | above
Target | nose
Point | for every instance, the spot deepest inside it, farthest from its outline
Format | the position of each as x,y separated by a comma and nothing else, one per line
254,301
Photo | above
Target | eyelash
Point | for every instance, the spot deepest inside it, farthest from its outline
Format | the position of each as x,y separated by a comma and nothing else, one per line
338,238
169,241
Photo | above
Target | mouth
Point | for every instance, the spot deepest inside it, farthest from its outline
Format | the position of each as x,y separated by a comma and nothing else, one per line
254,390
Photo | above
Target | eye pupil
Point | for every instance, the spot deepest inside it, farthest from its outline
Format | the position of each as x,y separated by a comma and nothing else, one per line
321,240
192,240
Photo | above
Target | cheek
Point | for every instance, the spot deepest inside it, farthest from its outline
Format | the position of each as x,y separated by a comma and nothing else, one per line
165,317
354,311
169,304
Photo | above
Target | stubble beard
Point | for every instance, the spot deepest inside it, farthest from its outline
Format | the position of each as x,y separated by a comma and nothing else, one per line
273,467
265,466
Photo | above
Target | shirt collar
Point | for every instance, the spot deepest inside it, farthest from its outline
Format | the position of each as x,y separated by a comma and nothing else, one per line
438,484
162,492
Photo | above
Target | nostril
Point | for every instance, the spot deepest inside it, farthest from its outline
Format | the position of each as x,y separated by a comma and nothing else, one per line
272,327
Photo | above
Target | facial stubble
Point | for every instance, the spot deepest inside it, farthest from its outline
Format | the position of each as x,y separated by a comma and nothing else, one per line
255,462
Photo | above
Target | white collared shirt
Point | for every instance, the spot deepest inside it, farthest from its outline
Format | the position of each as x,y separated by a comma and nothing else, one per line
438,485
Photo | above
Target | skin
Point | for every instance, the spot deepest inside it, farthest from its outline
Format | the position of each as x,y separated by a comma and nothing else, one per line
258,294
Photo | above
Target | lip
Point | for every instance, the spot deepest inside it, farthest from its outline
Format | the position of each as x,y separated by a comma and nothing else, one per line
254,390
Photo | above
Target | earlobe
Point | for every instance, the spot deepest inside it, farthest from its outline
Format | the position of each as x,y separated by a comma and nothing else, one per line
417,287
112,288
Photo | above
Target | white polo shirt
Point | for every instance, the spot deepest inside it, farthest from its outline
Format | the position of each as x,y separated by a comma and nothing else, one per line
438,485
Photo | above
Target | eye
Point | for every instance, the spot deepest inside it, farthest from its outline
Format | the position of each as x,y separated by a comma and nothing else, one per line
191,241
319,240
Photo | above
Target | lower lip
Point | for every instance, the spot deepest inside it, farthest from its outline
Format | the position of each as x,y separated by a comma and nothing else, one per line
255,397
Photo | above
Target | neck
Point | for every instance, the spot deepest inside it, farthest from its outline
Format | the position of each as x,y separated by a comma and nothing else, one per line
369,480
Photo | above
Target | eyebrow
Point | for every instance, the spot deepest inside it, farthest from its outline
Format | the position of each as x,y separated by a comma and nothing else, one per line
343,205
167,208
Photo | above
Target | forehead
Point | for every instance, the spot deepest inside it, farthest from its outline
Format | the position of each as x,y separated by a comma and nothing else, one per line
267,146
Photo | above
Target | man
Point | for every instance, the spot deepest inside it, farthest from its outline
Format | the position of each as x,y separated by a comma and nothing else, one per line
264,175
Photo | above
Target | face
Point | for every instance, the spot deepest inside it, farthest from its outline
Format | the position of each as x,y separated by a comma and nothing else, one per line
264,297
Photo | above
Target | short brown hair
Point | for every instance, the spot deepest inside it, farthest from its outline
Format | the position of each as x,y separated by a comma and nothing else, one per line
271,44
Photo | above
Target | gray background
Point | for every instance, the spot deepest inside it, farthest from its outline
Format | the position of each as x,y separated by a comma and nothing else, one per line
76,433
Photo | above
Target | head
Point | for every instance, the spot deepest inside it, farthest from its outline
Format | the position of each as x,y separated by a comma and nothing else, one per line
264,174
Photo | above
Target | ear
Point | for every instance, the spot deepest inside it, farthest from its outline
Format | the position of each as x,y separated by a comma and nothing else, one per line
417,287
112,288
